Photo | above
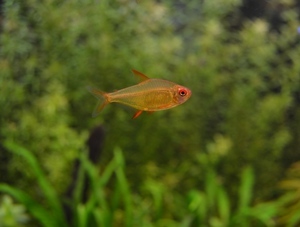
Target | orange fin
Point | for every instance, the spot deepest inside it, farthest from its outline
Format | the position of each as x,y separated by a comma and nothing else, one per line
102,97
140,75
138,113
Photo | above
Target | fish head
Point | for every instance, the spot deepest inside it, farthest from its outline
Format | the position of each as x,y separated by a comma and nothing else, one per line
181,94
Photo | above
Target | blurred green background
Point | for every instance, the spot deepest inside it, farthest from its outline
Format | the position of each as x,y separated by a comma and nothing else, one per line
227,157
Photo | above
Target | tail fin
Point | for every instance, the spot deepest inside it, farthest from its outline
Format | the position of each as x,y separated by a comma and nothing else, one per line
101,96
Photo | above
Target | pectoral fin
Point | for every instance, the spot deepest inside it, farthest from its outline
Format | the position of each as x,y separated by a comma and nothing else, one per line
138,113
140,75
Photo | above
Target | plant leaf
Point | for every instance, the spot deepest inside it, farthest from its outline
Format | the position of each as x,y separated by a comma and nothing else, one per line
49,192
35,209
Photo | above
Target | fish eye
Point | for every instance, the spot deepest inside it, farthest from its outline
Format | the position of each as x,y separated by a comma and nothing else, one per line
182,92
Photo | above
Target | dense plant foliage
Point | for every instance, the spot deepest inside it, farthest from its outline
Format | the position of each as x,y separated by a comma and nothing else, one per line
214,161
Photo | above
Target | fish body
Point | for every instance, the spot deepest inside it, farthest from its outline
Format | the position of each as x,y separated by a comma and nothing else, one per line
149,95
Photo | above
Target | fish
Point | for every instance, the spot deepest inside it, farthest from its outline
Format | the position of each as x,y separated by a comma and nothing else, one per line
150,95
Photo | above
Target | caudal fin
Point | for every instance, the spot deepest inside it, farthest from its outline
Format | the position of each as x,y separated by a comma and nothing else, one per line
101,96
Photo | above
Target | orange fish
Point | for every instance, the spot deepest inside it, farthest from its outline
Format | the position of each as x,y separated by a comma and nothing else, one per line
149,95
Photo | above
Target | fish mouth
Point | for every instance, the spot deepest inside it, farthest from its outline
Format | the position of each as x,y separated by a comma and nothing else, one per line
189,93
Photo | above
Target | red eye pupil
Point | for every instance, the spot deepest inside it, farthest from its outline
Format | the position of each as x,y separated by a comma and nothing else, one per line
182,92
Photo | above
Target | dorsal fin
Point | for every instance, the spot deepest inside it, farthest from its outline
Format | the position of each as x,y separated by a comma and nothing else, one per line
140,75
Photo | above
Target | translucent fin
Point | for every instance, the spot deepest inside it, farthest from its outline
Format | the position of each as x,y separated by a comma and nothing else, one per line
140,75
138,113
101,96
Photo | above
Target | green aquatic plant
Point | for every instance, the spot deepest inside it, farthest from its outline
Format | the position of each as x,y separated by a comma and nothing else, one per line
290,212
51,216
12,214
213,206
111,202
98,209
245,81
